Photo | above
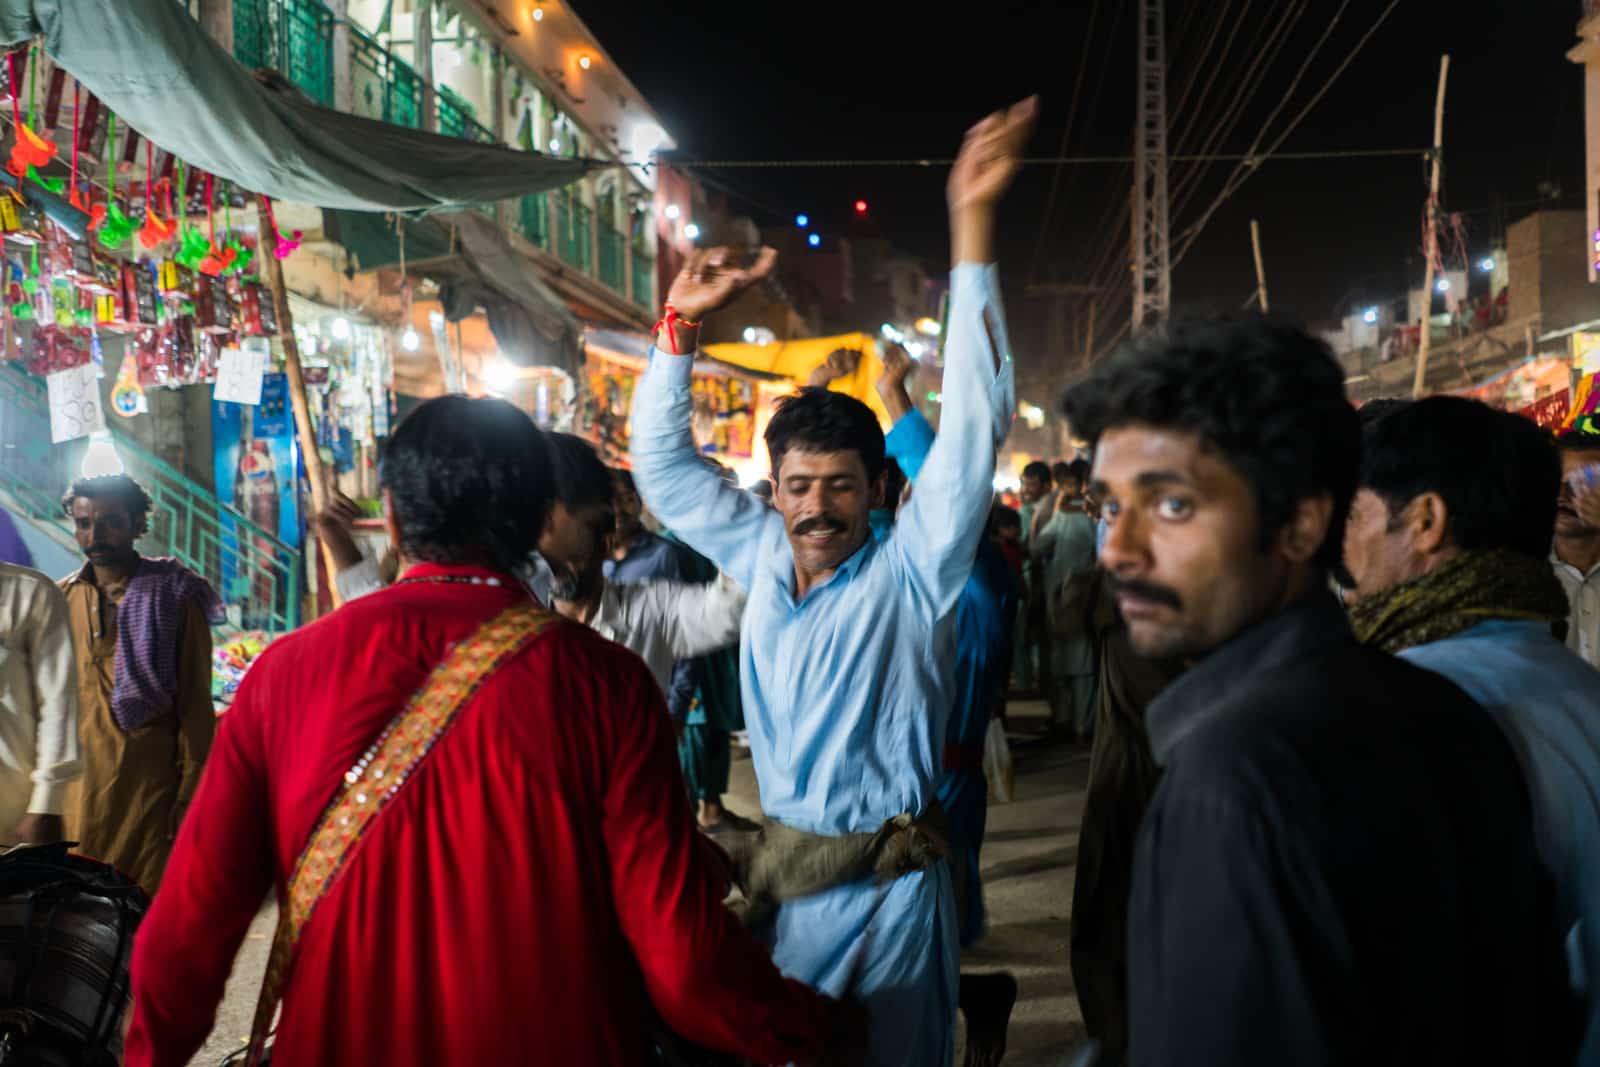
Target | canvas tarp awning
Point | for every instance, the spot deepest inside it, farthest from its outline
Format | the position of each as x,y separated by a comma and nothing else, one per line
476,267
157,69
797,359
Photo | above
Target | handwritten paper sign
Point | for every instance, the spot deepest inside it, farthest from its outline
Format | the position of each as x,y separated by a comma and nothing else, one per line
75,409
239,374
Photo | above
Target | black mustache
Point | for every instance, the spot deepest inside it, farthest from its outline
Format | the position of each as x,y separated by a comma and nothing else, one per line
1158,594
819,522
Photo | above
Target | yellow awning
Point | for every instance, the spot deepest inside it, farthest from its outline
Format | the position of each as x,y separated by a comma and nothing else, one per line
797,359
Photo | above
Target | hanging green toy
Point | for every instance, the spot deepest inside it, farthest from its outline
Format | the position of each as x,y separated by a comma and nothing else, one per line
117,229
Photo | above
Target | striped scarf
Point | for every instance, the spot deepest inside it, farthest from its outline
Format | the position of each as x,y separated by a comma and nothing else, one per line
149,627
1472,588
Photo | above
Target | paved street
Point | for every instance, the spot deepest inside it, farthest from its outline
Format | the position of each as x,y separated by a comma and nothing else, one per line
1027,862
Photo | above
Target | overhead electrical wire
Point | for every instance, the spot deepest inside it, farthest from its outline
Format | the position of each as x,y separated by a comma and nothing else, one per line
1038,161
1066,137
1241,174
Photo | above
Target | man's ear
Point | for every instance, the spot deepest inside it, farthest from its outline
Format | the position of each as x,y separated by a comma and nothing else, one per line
1428,519
1302,536
880,491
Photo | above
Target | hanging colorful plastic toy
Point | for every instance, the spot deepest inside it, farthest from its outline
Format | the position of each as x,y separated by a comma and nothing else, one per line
217,258
282,247
156,229
30,150
116,228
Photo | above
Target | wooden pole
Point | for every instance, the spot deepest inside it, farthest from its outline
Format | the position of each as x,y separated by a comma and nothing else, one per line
1430,240
1261,271
304,430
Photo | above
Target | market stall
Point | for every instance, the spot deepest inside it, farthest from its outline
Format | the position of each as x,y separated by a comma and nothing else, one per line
731,402
1539,389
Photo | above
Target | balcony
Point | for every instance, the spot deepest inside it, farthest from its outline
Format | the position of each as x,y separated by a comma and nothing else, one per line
455,119
385,87
611,258
293,37
533,220
644,278
574,223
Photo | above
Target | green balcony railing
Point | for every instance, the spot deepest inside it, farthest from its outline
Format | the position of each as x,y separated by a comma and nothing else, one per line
385,87
456,118
574,220
258,576
533,219
611,259
644,279
292,37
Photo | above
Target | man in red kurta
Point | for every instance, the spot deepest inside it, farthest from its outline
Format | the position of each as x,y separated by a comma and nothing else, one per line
536,882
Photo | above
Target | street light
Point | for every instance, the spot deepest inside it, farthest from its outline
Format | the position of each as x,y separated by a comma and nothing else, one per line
1486,264
672,212
929,326
1443,285
802,221
499,376
1369,316
692,232
814,240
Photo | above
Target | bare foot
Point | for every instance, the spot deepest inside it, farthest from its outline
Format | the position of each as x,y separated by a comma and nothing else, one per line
986,1001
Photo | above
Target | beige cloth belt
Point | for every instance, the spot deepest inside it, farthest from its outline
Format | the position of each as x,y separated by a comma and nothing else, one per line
780,863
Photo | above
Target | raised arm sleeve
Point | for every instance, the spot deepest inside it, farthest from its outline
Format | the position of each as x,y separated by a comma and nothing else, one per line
219,873
55,699
908,442
710,980
937,533
719,521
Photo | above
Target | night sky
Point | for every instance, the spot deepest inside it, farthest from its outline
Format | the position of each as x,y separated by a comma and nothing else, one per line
875,80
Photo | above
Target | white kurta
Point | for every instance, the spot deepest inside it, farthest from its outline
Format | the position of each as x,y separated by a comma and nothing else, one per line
38,698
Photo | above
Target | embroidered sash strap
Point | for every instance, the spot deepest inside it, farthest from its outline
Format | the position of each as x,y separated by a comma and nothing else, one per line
372,783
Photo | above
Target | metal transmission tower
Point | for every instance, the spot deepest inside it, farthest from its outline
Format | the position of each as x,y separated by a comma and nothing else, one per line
1152,261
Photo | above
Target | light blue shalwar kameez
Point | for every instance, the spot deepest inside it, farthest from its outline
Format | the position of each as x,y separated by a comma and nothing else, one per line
846,691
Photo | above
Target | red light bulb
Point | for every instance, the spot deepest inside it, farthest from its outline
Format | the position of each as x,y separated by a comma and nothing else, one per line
861,207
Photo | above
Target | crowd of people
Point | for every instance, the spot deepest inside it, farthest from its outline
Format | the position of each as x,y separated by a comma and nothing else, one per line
1338,668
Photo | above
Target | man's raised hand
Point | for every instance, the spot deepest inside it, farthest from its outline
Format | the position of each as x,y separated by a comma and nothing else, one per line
712,278
990,156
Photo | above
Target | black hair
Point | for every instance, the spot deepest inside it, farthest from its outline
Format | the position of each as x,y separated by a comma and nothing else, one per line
1373,410
894,483
763,489
1038,470
1002,518
1266,396
1060,471
624,478
581,477
1578,441
1079,470
118,486
1498,473
470,482
820,420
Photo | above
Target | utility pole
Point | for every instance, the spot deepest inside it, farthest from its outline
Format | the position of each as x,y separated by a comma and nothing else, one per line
1152,261
1430,239
1261,272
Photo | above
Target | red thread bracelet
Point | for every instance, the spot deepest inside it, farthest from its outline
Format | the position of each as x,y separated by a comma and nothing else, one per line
671,319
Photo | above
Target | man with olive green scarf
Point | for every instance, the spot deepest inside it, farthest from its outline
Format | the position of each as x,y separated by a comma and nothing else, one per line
1447,542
